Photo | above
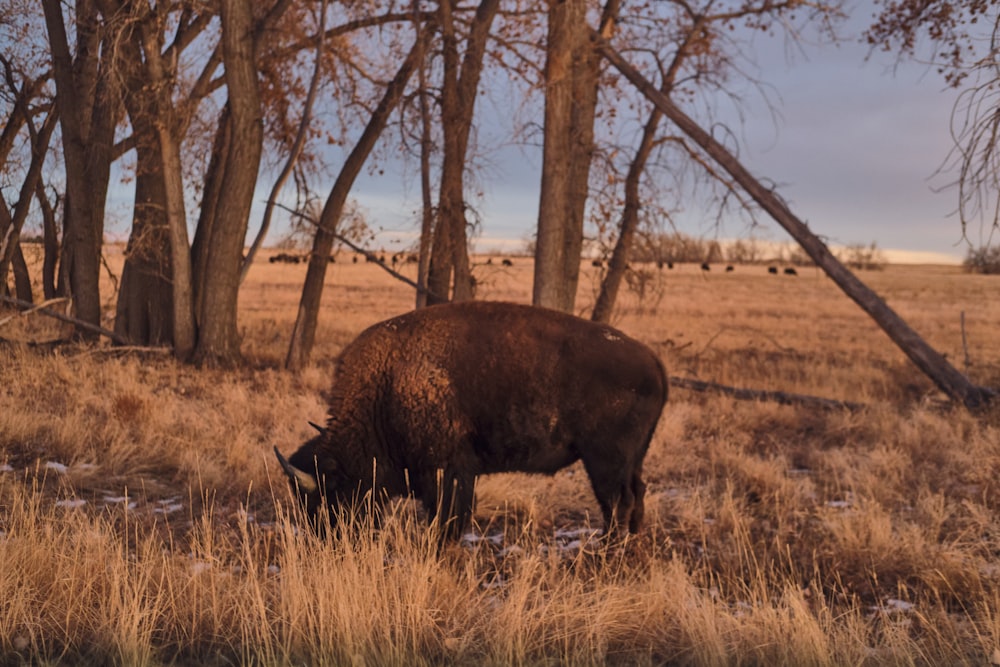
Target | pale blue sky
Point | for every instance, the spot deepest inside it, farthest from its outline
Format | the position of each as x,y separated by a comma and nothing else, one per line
854,151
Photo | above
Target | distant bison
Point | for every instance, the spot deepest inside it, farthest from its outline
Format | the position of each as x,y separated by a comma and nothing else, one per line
424,402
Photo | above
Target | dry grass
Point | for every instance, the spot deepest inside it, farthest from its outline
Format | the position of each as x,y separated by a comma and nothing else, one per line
143,519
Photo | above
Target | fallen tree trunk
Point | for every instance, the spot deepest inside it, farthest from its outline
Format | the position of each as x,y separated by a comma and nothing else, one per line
781,397
932,363
81,324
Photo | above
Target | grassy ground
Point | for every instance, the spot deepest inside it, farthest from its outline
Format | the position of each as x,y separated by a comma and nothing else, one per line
143,519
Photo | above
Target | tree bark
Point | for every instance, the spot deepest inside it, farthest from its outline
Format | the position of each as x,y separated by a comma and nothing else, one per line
87,93
929,361
208,211
450,251
218,337
50,236
572,69
144,313
427,219
304,331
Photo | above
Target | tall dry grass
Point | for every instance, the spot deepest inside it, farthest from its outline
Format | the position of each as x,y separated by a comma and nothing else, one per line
143,520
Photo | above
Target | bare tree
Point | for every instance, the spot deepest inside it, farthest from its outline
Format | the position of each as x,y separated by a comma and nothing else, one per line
218,338
154,298
427,209
929,361
964,47
12,221
571,82
297,145
690,52
304,331
89,95
460,84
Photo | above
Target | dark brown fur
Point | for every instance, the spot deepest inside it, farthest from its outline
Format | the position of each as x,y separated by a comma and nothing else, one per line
458,390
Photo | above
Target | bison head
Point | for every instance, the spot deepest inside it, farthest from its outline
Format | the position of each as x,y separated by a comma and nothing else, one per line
315,480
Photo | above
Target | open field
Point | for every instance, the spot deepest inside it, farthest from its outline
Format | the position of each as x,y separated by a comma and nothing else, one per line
144,520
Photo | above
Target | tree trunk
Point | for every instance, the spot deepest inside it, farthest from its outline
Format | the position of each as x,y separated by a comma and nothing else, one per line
571,81
87,93
296,149
208,211
144,314
10,225
50,236
185,330
22,280
618,263
304,331
450,252
218,337
427,219
932,363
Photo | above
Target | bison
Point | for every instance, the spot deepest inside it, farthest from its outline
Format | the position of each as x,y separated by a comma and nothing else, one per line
425,402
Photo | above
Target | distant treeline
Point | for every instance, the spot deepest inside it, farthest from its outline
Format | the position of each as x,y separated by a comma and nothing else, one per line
678,247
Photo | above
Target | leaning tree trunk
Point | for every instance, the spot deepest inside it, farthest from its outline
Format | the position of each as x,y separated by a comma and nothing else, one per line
618,263
304,331
932,363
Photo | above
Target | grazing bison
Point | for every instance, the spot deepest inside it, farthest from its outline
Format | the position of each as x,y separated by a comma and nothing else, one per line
424,402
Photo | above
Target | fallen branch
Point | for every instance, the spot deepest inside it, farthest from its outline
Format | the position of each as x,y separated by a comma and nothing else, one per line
44,304
86,326
782,397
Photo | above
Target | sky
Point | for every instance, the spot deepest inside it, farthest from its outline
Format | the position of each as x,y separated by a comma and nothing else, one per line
854,153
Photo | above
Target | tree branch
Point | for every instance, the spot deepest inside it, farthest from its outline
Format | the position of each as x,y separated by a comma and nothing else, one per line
927,359
87,326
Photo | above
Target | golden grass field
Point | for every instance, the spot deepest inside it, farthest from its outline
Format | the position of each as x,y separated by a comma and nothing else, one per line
144,520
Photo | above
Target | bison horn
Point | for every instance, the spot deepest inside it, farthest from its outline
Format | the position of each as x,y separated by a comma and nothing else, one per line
322,431
305,481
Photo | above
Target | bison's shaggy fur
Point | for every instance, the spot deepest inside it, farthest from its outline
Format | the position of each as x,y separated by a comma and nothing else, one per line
424,402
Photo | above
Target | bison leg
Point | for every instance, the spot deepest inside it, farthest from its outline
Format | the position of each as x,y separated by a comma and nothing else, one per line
639,506
613,488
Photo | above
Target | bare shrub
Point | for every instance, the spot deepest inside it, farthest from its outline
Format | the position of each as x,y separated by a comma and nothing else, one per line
862,257
984,259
